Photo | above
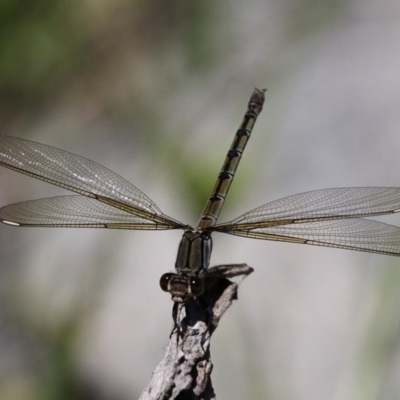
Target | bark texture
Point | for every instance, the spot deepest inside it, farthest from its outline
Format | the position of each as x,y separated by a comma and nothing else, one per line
185,371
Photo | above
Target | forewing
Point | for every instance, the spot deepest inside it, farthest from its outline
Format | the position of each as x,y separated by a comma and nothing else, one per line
79,175
319,205
329,217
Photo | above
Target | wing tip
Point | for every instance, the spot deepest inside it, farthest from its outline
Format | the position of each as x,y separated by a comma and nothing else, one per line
12,223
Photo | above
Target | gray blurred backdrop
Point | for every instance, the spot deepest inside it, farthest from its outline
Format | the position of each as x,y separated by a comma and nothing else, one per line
155,91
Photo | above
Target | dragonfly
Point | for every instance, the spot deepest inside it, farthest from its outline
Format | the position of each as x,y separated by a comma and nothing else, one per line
328,217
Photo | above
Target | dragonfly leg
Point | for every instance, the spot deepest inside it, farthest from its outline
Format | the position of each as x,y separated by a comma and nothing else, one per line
177,318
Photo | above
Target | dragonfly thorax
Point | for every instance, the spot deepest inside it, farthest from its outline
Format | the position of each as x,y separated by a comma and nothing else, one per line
194,253
192,260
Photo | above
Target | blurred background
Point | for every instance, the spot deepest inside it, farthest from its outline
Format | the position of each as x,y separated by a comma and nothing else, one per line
155,91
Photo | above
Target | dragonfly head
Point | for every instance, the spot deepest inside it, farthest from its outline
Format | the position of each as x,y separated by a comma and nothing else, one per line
181,287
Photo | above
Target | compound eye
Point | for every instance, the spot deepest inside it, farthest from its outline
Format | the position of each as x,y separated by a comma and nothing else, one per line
164,281
196,286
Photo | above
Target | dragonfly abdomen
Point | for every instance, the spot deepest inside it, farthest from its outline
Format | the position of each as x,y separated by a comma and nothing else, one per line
216,200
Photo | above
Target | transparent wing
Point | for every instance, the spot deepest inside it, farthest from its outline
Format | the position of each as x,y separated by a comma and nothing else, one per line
320,205
74,212
353,234
329,217
79,175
